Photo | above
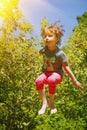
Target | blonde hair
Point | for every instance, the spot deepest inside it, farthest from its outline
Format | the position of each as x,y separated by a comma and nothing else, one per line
57,30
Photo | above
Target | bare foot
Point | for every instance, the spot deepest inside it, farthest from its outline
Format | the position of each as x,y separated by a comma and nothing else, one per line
53,111
43,109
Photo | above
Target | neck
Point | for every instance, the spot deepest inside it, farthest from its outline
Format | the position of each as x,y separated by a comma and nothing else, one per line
52,48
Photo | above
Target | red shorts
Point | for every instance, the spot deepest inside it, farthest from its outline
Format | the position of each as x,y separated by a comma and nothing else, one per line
50,78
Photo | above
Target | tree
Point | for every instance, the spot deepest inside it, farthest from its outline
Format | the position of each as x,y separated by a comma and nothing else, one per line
78,39
77,52
19,66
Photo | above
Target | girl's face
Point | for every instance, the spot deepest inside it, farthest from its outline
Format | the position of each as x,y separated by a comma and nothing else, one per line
49,38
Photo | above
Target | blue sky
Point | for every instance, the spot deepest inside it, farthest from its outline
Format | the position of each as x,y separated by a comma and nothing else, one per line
64,10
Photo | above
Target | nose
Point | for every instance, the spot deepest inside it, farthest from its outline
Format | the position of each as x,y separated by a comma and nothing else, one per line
46,38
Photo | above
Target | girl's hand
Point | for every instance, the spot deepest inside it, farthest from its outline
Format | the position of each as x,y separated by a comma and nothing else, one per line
78,85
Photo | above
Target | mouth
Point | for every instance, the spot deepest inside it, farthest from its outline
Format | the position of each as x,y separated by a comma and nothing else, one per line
47,40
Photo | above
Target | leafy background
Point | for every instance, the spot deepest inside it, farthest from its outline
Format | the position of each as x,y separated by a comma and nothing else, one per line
20,64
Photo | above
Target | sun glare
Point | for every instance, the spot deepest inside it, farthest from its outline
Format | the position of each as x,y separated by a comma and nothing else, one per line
1,21
1,5
2,2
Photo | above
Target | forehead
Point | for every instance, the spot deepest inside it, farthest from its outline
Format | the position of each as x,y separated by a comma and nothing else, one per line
47,31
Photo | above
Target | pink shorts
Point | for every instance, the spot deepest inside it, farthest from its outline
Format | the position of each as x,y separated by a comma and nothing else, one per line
50,78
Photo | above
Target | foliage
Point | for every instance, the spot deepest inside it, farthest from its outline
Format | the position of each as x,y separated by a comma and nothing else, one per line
20,64
44,23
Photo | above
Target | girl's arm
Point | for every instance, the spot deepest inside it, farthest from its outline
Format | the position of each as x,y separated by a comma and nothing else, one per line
71,75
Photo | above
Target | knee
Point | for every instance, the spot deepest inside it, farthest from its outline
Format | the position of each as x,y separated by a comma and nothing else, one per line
38,81
39,84
51,81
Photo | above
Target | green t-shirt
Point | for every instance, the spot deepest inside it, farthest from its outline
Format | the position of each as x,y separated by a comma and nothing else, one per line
52,60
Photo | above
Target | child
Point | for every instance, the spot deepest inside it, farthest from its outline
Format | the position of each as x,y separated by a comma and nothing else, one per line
54,61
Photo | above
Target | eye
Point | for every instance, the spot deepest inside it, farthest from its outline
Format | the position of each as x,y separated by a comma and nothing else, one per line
49,35
45,36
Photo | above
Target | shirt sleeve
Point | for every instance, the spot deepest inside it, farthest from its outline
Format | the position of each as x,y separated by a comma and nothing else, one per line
62,56
42,50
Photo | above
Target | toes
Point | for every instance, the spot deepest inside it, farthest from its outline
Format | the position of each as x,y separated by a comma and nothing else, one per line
53,111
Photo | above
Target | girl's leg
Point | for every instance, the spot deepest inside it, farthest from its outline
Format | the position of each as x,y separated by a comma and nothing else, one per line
52,81
44,100
40,81
51,104
51,101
